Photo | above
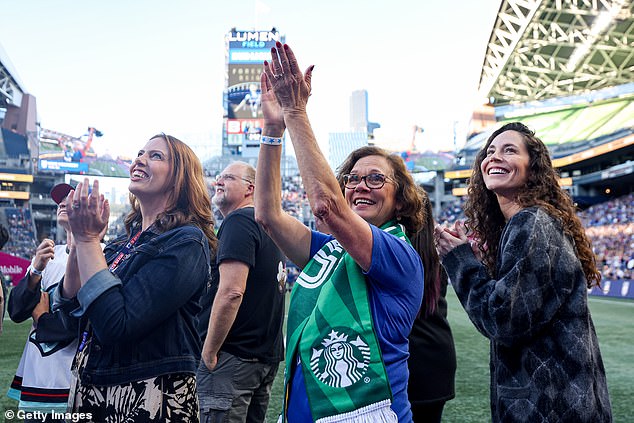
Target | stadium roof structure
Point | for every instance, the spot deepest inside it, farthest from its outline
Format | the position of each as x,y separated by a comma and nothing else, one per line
540,49
11,88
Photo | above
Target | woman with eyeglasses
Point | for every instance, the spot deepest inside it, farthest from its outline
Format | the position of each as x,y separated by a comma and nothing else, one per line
353,305
137,307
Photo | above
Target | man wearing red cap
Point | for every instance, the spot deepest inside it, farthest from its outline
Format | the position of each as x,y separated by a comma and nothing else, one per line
60,192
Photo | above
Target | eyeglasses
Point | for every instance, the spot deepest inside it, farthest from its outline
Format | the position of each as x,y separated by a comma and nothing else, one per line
372,180
230,177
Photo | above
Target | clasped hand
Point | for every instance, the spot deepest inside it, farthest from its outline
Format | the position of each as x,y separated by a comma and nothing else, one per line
88,212
447,238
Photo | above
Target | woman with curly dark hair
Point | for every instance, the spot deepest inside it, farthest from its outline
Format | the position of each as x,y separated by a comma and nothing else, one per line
528,293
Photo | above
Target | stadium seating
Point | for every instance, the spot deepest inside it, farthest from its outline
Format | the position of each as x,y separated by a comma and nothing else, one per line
609,225
15,145
22,241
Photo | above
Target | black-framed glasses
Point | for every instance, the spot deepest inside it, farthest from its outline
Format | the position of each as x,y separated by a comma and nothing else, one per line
231,177
372,180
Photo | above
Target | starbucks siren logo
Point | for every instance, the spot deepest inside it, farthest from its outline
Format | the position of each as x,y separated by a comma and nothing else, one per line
340,363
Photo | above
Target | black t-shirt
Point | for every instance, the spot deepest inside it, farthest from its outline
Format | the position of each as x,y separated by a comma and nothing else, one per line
257,330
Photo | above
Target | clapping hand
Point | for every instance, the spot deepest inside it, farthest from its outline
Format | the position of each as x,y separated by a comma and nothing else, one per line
447,238
88,213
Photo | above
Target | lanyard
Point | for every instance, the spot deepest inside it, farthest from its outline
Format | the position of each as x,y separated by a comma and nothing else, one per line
125,252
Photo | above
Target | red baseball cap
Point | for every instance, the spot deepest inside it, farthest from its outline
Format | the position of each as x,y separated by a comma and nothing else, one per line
60,191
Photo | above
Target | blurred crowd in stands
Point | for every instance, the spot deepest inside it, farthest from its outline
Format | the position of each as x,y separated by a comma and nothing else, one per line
451,212
295,202
22,239
610,226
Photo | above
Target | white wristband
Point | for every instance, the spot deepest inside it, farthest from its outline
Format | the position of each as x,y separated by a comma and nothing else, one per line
270,140
34,271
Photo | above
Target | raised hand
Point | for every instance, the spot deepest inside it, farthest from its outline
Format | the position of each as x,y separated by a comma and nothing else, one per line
43,254
88,213
273,117
291,87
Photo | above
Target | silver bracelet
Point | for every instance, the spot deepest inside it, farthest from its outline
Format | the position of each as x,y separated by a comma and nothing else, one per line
270,140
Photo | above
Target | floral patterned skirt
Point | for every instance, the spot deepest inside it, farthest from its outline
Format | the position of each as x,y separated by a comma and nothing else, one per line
167,398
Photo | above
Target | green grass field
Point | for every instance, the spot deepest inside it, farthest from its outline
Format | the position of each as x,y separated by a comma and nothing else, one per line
614,321
613,318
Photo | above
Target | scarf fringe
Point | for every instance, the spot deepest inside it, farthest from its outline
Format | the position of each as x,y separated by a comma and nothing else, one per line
379,412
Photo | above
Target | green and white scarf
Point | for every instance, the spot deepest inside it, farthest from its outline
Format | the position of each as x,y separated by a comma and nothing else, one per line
331,329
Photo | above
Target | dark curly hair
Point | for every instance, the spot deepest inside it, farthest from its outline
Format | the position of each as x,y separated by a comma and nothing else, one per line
542,189
412,214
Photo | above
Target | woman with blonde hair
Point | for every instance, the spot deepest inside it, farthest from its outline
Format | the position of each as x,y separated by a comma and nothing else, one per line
137,306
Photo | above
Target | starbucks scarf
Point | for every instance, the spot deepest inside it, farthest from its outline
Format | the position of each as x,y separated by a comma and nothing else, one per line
331,329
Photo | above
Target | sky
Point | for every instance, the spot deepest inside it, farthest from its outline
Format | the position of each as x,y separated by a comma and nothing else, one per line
134,68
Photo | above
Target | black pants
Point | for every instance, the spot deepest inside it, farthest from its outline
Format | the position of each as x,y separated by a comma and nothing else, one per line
428,413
